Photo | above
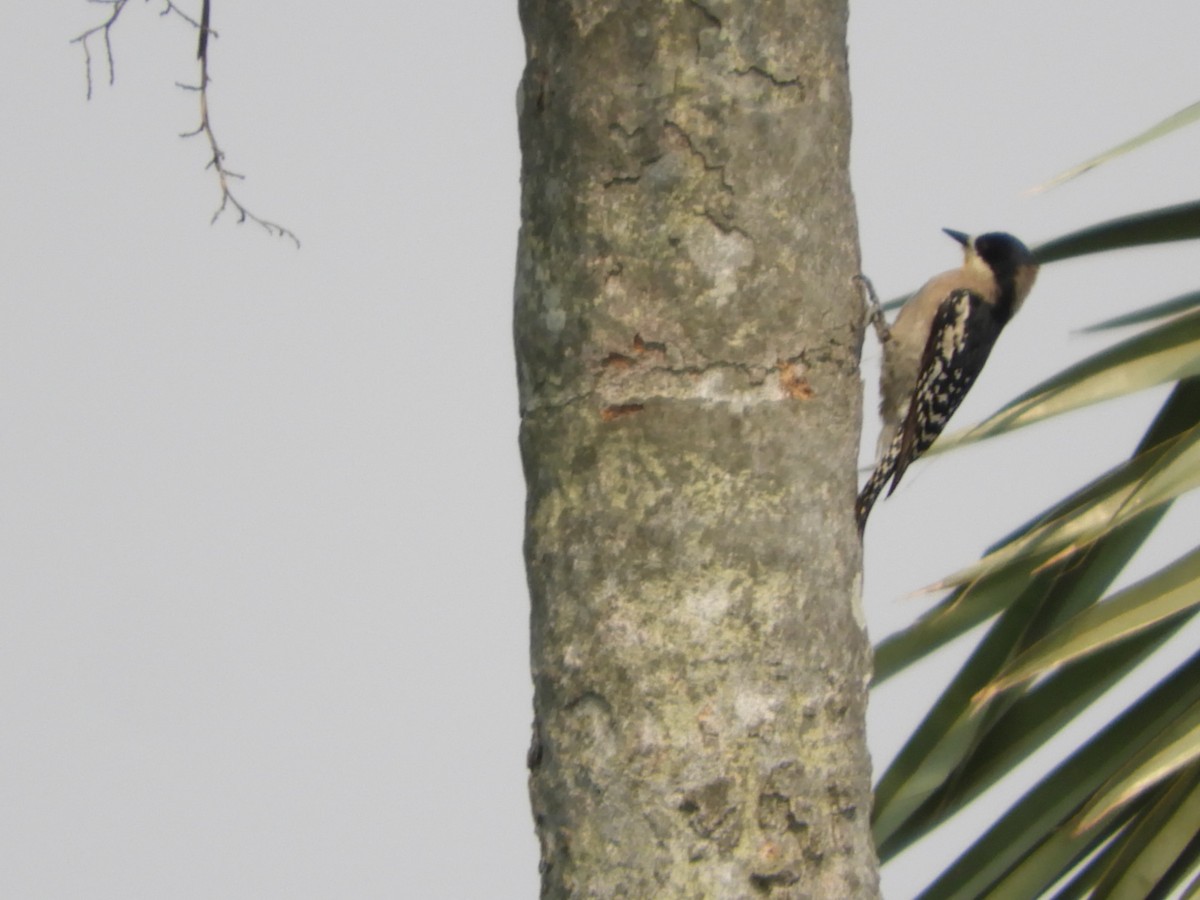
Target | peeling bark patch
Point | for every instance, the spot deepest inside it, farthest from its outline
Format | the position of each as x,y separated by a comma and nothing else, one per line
587,15
641,346
793,383
721,254
612,413
713,814
554,315
775,815
754,711
706,722
765,882
842,803
617,361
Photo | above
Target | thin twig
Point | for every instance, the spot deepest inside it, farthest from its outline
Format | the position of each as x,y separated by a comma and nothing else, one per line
172,8
105,29
202,50
217,158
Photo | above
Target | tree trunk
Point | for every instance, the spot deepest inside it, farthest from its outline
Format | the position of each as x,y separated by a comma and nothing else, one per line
688,340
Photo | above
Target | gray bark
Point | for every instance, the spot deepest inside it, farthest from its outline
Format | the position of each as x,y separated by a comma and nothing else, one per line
688,339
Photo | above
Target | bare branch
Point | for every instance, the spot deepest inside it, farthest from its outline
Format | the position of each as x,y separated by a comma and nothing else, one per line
217,158
172,8
202,51
104,29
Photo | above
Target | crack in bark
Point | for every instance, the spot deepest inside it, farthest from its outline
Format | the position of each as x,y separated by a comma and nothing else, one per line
622,179
671,125
763,73
708,14
723,227
756,376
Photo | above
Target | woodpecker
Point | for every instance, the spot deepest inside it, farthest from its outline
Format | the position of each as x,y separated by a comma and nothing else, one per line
936,348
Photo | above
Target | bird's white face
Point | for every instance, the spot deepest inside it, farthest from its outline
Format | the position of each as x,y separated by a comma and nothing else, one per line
975,266
973,263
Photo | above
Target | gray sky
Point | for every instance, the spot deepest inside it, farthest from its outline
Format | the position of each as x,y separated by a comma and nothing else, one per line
265,617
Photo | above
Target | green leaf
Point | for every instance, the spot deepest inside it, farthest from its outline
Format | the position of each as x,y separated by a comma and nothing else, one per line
1057,854
968,752
1167,593
1155,226
1193,890
1174,306
1152,478
1142,860
1011,730
1185,116
1032,832
944,738
954,616
1166,754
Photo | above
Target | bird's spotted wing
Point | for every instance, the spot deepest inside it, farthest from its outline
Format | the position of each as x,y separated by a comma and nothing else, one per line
963,333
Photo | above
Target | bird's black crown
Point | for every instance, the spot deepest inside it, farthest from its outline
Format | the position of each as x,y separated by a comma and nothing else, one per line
1003,253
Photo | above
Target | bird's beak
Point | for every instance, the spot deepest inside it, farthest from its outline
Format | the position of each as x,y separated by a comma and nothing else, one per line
964,239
